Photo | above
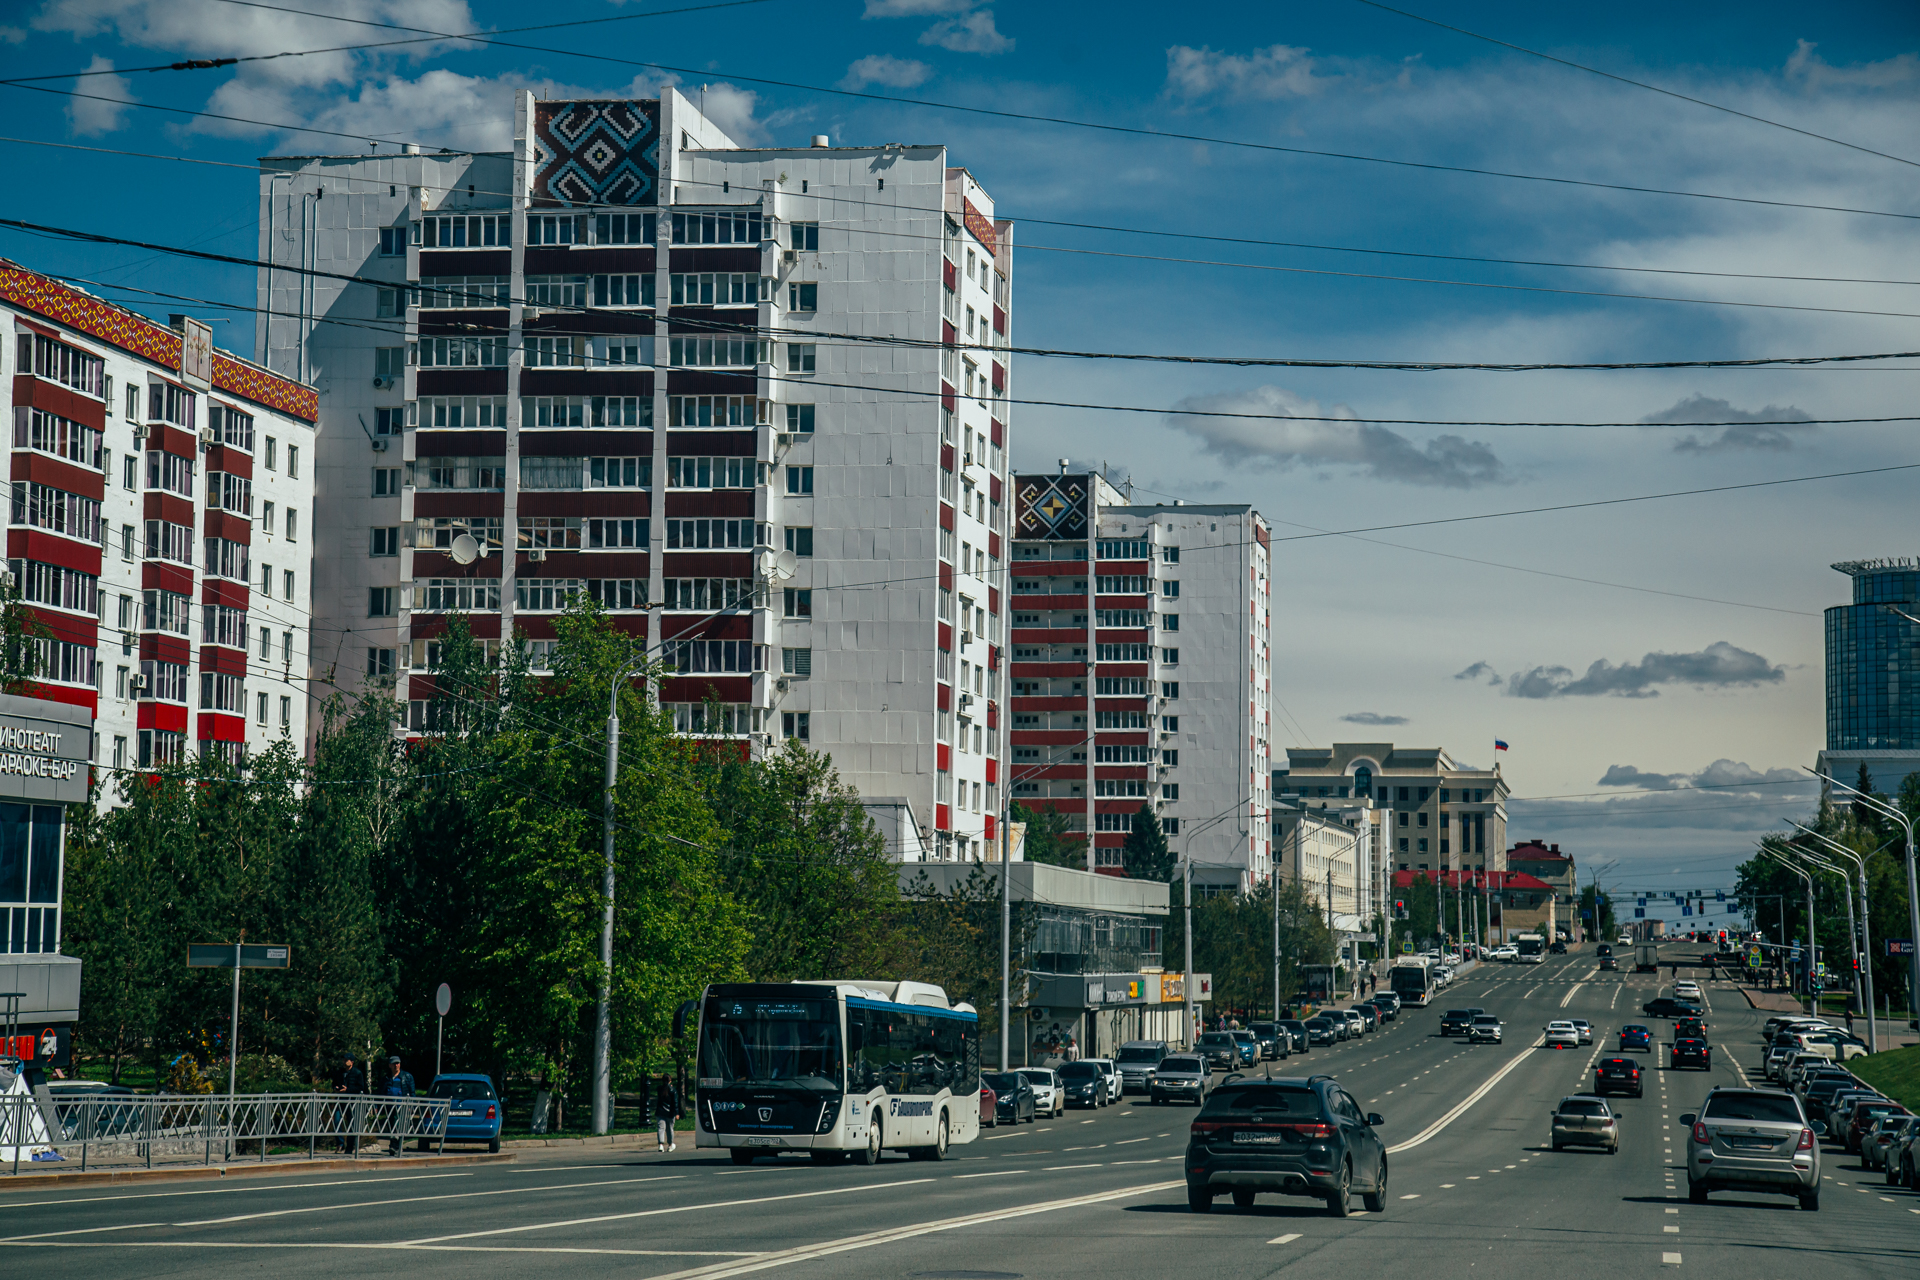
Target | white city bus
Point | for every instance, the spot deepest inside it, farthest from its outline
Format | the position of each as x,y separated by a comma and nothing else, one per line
1411,978
836,1069
1533,947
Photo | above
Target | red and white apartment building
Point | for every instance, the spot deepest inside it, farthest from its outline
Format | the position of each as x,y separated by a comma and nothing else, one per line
1142,672
637,361
160,525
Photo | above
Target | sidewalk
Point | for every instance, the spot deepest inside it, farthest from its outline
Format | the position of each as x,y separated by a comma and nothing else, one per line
43,1177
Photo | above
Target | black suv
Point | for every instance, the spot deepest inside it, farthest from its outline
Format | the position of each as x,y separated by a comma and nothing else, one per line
1291,1136
1457,1022
1668,1007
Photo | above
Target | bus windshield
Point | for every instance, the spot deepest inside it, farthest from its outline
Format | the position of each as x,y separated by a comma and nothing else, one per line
761,1041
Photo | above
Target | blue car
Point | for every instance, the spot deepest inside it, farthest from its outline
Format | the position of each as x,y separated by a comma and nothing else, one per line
1635,1036
475,1113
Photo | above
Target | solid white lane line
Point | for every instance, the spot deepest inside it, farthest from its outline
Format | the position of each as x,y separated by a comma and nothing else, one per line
1461,1108
651,1213
997,1173
1289,1238
1057,1168
222,1191
1571,992
455,1195
1126,1141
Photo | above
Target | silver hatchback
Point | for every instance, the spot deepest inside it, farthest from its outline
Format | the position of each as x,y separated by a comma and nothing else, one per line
1752,1140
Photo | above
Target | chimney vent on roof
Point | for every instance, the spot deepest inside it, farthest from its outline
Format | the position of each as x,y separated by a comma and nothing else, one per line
409,148
821,140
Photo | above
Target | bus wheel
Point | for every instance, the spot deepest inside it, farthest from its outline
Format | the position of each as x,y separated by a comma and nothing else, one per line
742,1156
938,1151
870,1154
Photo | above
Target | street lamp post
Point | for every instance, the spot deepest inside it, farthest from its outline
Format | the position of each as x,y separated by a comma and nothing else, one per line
1813,948
1913,885
1864,976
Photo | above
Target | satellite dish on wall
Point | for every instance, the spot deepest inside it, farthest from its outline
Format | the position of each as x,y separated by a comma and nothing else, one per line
784,564
465,549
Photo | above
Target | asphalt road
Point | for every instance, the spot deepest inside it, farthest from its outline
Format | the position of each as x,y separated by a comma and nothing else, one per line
1474,1189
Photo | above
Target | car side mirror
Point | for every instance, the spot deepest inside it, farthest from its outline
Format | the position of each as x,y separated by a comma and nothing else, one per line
1375,1119
1689,1119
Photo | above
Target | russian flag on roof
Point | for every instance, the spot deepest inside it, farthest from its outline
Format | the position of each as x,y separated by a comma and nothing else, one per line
1499,745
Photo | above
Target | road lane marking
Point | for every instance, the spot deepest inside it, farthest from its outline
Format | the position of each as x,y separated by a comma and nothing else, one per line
1125,1141
652,1213
454,1195
997,1173
1672,1231
1670,1259
1446,1186
1571,992
1057,1168
1289,1238
1672,1210
1412,1197
221,1191
1460,1109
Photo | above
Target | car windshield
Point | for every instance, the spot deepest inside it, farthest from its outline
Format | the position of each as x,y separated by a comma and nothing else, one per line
1214,1038
1486,1020
1766,1107
1262,1028
771,1040
1262,1100
462,1089
1458,1013
999,1082
1294,1024
1318,1022
1079,1071
1582,1107
1180,1064
1139,1053
1039,1075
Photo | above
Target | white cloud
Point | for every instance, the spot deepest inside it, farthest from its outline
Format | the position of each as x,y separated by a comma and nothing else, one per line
1284,436
1815,73
1264,75
972,34
883,69
915,8
1771,428
89,117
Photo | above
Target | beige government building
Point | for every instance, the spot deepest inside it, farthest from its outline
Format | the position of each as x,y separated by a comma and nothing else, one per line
1438,814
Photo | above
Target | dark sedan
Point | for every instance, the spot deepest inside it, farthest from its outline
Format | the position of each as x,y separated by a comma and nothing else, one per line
1668,1007
1084,1084
1297,1031
1617,1075
1322,1031
1635,1036
1690,1052
1013,1097
1455,1022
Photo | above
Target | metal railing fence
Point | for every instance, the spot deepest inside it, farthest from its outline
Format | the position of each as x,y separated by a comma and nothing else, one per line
139,1128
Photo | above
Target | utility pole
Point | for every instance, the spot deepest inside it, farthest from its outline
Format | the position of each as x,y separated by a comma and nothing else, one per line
1274,875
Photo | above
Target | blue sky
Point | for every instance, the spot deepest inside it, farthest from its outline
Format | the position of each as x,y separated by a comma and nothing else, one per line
1630,701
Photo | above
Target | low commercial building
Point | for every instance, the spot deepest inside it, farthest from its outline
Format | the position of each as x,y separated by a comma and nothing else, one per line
1092,972
1488,907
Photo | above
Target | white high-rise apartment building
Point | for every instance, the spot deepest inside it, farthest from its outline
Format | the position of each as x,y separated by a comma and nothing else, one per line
160,527
1141,672
635,360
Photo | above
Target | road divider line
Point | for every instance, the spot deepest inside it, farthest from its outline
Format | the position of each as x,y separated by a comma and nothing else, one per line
1288,1238
1470,1099
1572,991
227,1191
452,1195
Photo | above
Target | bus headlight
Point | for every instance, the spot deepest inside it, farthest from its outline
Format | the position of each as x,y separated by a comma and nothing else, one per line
829,1116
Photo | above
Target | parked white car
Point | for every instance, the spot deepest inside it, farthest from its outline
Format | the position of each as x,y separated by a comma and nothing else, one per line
1562,1035
1048,1100
1505,952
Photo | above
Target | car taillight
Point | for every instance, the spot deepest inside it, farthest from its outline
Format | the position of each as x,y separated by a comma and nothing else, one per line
1806,1140
1700,1134
490,1111
1205,1126
1309,1131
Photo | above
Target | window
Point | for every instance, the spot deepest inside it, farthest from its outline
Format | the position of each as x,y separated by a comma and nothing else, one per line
798,602
461,595
386,541
170,472
797,663
1170,590
168,541
609,534
1169,724
566,228
458,231
129,469
273,454
1171,759
266,644
223,626
59,587
464,411
44,507
69,366
800,542
1171,657
1422,843
704,534
286,582
624,290
619,351
1115,549
231,427
222,693
228,492
1169,791
800,357
623,228
380,602
1169,622
393,241
1422,819
293,461
1170,688
387,304
800,480
557,291
804,237
389,422
618,593
120,684
166,681
794,724
451,472
386,482
552,473
800,419
708,594
436,533
389,362
489,352
1170,825
802,297
1116,584
286,652
720,226
713,289
286,713
560,533
715,411
1114,617
120,750
717,656
263,711
293,525
544,595
720,352
711,473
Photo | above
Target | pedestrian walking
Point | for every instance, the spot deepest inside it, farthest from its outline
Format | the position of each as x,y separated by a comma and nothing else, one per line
352,1082
398,1084
666,1110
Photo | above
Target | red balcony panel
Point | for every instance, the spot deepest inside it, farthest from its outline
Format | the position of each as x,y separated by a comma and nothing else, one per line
224,524
232,461
1050,772
51,548
1128,738
993,715
993,601
719,502
710,443
1049,602
946,576
944,697
60,474
167,506
731,627
234,595
1047,738
162,576
484,444
1048,569
700,688
65,694
1120,704
993,657
946,402
1041,669
1123,668
56,399
1048,635
946,461
990,826
1118,806
171,439
592,503
168,716
993,541
553,442
232,662
946,517
999,376
682,564
1120,772
465,382
459,504
215,726
1026,705
948,334
999,326
155,647
1118,636
993,769
1109,840
1121,602
1125,566
950,275
946,636
942,818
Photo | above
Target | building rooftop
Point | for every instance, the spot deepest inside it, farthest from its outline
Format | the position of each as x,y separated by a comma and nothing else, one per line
1537,851
1475,879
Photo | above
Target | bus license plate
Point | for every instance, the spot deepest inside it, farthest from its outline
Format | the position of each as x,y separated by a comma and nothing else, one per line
766,1142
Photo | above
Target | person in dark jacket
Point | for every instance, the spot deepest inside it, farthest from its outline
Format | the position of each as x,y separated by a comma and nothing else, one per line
352,1081
398,1084
666,1110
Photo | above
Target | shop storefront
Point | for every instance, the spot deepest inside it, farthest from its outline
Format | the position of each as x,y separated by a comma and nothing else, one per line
45,748
1098,1013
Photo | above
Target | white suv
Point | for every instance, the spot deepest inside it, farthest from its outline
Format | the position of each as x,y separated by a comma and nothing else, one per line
1687,989
1562,1035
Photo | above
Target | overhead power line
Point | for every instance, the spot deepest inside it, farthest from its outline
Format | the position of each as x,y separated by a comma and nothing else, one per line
1638,84
994,113
1058,353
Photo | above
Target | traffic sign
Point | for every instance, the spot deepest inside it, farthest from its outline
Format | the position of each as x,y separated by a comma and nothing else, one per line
219,955
1899,946
1406,946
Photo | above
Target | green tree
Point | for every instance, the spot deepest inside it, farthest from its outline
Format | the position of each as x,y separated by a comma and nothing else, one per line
111,900
22,639
953,939
1050,838
1145,854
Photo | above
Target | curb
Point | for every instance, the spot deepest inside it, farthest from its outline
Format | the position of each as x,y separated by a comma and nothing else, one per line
271,1168
609,1140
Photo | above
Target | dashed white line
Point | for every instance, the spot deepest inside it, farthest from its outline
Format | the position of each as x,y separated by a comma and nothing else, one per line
1670,1259
1289,1238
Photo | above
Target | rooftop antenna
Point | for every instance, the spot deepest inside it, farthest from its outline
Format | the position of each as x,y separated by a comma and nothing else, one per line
1063,466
